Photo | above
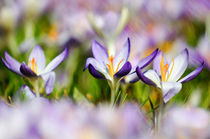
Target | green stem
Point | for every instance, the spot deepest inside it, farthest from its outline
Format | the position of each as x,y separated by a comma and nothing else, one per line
37,88
114,86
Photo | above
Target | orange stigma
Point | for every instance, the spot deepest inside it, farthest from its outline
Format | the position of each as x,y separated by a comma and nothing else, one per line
164,69
111,66
32,65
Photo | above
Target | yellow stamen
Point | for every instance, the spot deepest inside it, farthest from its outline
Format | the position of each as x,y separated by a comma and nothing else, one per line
111,66
171,70
119,65
163,69
32,65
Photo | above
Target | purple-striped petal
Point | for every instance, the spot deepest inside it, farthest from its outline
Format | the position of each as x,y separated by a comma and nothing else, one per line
124,70
11,63
49,79
146,61
144,78
193,74
94,72
99,52
56,61
178,67
170,89
39,57
25,70
122,57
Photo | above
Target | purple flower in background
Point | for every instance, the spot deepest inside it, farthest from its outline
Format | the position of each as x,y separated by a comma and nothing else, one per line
181,122
36,66
111,66
166,75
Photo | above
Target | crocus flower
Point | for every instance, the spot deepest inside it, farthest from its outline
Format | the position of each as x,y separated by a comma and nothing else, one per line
166,75
36,66
111,66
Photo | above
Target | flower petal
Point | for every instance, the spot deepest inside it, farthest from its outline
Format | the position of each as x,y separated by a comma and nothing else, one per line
25,70
193,74
156,62
131,78
94,72
99,52
49,79
150,77
96,64
170,89
11,63
56,61
38,54
146,61
122,57
26,91
124,70
178,67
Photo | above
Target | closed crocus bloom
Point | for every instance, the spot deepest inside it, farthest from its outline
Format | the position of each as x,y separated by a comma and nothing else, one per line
166,76
36,66
108,66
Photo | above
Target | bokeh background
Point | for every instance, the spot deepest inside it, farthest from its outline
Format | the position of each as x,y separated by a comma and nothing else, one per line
170,25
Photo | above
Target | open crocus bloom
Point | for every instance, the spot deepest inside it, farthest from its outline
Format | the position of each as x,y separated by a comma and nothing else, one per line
36,66
166,76
111,66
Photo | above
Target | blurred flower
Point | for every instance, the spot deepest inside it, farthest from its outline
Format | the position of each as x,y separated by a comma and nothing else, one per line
67,120
166,76
105,63
36,66
10,14
186,123
110,24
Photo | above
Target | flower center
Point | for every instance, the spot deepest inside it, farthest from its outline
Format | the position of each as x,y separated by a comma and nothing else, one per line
164,69
32,65
111,66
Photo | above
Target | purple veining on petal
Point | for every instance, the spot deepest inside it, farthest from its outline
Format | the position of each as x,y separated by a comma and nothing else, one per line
124,70
146,61
25,70
122,56
144,78
56,61
99,52
193,74
94,72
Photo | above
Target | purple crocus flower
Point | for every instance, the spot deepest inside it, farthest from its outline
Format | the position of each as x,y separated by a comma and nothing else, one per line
36,66
166,75
111,66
